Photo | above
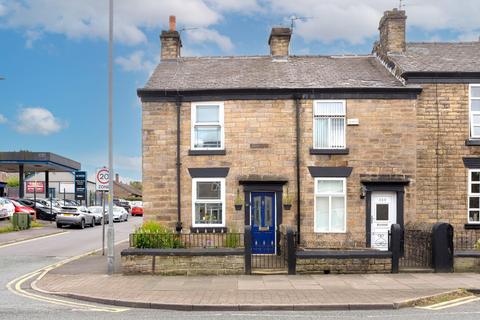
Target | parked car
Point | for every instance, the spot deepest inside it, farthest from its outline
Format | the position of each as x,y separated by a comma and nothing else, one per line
6,208
97,211
73,216
23,208
119,214
137,211
122,203
43,212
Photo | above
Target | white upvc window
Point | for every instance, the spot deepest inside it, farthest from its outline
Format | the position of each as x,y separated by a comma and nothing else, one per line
330,206
329,124
474,106
208,202
474,196
207,132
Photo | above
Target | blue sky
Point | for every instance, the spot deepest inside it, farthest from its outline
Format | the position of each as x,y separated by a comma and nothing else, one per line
54,58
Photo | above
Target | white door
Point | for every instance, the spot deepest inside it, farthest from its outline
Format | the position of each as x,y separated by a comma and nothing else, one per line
383,215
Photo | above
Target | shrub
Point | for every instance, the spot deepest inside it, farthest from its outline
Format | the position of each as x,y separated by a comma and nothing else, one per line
154,235
232,240
477,245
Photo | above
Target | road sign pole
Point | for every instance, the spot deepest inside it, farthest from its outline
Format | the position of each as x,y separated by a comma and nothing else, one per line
110,233
103,223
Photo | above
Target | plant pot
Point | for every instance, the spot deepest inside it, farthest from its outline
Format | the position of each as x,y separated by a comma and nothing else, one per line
287,206
238,207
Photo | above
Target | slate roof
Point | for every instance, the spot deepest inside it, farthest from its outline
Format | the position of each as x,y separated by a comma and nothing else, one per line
439,57
265,72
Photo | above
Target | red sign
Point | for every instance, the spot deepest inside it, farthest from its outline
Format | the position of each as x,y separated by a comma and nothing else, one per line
32,185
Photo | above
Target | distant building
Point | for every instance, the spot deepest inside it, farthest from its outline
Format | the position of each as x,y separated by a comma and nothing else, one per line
125,191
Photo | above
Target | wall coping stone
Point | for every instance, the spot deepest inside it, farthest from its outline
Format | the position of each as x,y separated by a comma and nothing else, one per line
467,254
343,254
183,252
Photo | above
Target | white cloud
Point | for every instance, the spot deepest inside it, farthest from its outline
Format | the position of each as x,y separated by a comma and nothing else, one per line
3,9
243,6
3,119
89,18
136,61
207,35
356,21
38,121
32,36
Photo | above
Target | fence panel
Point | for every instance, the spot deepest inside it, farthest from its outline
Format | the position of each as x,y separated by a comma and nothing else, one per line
192,240
467,240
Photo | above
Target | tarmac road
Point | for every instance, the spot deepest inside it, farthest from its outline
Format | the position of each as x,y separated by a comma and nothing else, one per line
20,259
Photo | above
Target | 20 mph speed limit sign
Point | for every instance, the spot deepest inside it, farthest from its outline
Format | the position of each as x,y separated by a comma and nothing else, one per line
102,179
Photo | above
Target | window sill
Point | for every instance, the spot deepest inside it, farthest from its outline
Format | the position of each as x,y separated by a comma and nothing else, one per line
470,226
472,142
329,151
208,230
207,152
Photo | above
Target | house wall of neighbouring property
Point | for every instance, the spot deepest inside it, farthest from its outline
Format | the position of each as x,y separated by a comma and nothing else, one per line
384,143
442,128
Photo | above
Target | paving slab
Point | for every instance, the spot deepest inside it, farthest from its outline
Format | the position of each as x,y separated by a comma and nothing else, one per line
86,279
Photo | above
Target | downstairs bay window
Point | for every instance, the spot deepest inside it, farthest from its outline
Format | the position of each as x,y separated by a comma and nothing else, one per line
208,202
474,196
330,205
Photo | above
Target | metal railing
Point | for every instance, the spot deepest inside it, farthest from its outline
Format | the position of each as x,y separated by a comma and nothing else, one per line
283,255
191,240
417,249
466,240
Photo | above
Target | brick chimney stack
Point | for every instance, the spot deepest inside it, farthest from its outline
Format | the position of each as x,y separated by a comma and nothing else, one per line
170,41
392,31
279,41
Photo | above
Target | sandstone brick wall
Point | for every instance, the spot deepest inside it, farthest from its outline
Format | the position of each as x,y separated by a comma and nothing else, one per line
365,265
442,128
184,265
383,144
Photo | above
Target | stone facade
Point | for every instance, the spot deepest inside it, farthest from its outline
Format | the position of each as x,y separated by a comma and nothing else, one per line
442,128
383,144
364,265
183,265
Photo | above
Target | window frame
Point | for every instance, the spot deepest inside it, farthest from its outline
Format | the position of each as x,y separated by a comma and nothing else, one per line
470,194
470,112
194,124
344,103
329,195
195,200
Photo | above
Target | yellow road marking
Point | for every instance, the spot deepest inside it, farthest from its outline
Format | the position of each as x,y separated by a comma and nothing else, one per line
15,286
33,239
451,303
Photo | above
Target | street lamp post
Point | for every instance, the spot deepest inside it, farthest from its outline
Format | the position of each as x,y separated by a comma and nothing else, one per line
110,231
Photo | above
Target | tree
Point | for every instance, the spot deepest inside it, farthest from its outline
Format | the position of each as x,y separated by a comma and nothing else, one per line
136,184
13,182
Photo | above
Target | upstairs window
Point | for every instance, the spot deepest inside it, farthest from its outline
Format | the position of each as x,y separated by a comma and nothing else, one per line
208,202
207,126
474,196
474,111
329,124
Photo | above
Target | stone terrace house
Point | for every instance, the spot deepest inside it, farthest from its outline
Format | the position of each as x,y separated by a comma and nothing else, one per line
339,147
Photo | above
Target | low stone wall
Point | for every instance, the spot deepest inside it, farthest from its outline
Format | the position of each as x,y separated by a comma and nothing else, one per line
188,262
467,262
333,261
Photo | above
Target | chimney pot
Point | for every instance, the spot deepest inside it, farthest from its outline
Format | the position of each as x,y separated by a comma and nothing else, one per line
279,41
172,23
117,177
170,42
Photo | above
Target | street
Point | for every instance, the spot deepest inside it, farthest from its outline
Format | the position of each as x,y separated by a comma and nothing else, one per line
23,258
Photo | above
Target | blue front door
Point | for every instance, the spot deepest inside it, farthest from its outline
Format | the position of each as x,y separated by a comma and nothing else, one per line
263,216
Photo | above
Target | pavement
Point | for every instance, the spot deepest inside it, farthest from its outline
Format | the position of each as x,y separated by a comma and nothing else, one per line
86,279
49,228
